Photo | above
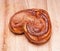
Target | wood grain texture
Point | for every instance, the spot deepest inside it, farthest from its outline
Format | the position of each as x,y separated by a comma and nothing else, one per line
53,8
2,21
11,42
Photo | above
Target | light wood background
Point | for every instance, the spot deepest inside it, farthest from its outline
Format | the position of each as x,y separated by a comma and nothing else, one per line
11,42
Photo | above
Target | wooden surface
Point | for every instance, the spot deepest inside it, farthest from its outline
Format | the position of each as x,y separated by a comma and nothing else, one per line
11,42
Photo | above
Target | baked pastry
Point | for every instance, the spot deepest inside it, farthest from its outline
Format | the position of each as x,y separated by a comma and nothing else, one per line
34,23
18,20
39,30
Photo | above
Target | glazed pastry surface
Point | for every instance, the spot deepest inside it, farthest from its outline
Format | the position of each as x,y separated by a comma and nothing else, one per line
34,23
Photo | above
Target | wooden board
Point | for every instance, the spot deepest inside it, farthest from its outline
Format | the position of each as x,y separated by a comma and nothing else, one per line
11,42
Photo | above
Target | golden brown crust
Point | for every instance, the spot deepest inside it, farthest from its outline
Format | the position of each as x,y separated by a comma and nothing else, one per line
19,19
35,23
38,31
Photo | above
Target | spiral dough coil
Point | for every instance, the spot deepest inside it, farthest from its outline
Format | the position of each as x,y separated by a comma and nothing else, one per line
34,23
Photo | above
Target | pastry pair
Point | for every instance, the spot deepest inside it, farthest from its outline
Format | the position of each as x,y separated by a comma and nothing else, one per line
34,23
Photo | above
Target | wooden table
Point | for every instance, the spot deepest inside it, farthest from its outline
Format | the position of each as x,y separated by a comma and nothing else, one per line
11,42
